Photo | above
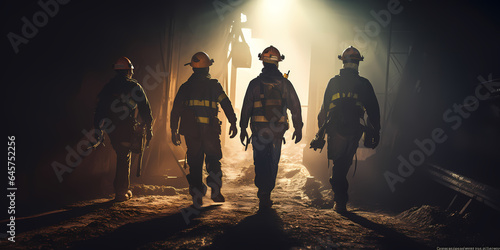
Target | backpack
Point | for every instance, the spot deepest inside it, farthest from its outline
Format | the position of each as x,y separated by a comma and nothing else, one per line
273,101
347,112
189,125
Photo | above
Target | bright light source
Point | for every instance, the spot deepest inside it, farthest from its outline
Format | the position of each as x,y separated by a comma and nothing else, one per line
243,18
276,4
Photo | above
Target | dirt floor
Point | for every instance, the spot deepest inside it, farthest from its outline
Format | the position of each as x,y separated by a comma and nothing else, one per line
301,218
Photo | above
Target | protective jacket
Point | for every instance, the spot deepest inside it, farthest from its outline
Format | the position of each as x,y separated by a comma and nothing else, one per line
268,97
266,101
347,96
197,105
346,99
118,101
199,97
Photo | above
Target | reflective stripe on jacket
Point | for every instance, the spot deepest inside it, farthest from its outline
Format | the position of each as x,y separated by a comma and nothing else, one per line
254,103
348,89
202,95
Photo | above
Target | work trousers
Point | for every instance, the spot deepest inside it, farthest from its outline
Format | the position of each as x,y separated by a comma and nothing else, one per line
120,140
341,149
205,147
266,156
121,182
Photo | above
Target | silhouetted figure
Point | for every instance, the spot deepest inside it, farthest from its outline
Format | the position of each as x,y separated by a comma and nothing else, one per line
196,105
347,97
266,101
116,111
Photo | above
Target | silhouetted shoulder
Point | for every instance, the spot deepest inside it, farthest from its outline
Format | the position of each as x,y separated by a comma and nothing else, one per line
132,80
215,83
365,81
332,80
134,83
287,82
254,82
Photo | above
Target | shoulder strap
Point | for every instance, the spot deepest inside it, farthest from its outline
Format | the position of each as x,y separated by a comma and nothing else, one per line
261,91
212,81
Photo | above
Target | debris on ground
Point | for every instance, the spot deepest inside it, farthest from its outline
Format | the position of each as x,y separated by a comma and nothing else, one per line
160,217
142,189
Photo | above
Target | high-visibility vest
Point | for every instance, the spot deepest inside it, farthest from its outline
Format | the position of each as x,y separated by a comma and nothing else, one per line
270,105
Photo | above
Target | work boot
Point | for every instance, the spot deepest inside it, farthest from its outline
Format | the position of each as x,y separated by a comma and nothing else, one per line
197,195
340,207
214,181
217,196
119,197
197,201
265,201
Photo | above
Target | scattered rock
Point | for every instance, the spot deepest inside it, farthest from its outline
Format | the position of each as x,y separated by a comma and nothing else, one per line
247,175
142,189
319,196
291,173
312,184
424,216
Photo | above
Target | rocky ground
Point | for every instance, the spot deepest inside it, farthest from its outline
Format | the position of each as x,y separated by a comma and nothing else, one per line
301,218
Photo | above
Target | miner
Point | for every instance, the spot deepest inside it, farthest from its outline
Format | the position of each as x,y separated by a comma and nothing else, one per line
196,105
119,101
267,99
346,98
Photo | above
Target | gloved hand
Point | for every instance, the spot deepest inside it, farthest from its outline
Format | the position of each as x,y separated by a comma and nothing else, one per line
233,130
243,136
149,135
176,138
372,138
376,140
97,138
297,135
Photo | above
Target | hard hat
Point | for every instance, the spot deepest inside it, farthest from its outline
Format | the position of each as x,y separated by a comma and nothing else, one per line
351,54
200,60
271,54
123,63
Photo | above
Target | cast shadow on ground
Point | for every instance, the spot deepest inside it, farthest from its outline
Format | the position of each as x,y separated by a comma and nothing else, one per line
391,239
137,234
263,230
52,218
